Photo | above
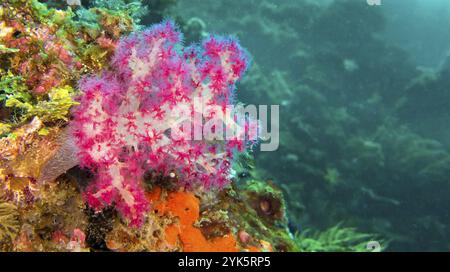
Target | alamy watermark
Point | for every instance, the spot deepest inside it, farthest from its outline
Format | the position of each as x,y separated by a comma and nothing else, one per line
250,123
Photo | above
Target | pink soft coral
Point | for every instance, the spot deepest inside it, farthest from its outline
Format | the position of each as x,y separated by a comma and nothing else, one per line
126,114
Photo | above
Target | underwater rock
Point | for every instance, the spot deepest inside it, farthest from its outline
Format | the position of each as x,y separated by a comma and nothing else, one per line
21,139
56,221
30,159
267,200
100,224
25,154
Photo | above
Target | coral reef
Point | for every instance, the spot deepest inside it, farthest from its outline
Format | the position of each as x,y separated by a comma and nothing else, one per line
87,99
44,53
91,99
56,221
23,153
194,221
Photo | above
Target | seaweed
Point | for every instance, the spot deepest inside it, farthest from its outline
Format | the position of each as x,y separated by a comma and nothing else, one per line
335,239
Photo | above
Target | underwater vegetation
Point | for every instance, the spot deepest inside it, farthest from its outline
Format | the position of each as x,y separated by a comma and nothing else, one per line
363,130
334,239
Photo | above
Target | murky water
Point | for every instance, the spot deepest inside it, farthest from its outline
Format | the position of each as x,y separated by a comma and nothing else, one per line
364,95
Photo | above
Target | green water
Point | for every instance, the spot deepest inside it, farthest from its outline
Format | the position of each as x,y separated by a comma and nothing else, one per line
364,95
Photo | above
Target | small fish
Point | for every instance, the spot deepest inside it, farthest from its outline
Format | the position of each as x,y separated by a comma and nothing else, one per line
244,174
73,2
377,197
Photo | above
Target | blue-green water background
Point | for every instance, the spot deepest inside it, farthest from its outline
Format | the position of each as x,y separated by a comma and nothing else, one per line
364,94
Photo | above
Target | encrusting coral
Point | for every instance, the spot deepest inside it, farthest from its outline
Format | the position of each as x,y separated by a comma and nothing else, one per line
44,51
9,221
56,221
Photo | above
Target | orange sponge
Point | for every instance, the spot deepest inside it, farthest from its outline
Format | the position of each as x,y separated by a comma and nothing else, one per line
186,207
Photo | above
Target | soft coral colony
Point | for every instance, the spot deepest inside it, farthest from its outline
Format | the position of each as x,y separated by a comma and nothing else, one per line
89,108
127,113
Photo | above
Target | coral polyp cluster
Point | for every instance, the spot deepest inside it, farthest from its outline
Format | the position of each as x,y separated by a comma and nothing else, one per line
44,52
126,121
